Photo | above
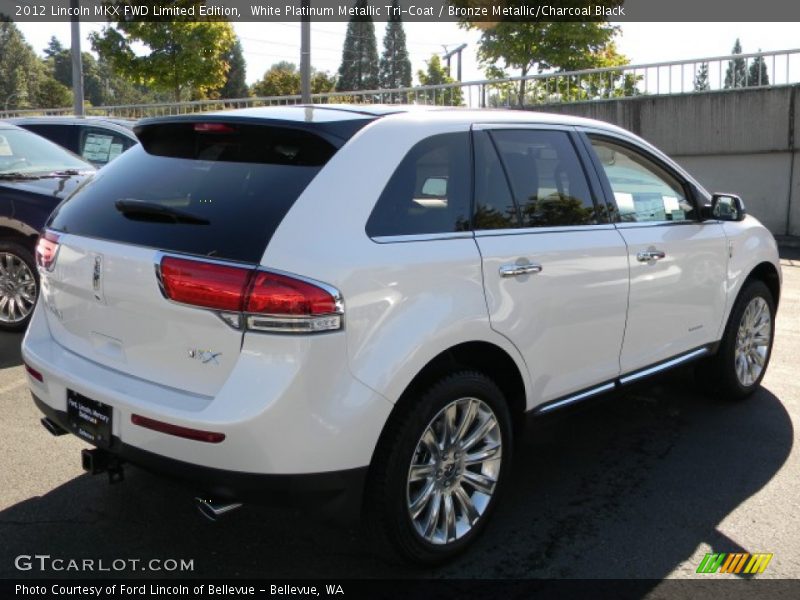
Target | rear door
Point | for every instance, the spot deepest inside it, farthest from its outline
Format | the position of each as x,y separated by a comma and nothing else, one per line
555,269
678,263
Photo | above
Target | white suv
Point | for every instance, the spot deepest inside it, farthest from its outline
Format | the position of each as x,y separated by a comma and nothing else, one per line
362,305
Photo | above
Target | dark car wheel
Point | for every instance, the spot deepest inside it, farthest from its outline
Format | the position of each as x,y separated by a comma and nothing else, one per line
439,468
19,286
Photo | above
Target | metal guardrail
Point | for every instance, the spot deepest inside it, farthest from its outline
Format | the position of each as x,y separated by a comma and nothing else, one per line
675,77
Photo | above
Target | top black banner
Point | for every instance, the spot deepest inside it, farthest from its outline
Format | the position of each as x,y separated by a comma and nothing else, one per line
488,11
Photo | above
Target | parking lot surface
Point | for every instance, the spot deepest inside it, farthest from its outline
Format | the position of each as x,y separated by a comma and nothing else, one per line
640,485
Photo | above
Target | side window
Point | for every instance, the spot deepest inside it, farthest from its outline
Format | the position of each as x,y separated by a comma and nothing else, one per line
547,178
644,192
494,205
101,146
429,192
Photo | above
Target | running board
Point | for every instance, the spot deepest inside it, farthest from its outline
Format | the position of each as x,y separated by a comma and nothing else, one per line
622,381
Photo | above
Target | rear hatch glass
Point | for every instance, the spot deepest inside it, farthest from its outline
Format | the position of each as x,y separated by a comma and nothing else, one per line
210,189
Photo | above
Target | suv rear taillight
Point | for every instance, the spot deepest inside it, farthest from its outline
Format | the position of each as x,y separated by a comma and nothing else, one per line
47,250
262,300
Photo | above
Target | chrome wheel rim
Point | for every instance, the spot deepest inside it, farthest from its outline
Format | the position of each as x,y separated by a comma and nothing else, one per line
17,289
454,471
752,341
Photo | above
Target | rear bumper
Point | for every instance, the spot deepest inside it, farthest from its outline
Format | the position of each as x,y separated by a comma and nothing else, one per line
336,493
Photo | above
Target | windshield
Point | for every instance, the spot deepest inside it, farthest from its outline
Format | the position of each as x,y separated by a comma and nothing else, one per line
25,152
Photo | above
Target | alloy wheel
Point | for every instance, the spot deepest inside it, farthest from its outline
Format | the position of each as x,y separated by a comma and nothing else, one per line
454,471
17,289
753,341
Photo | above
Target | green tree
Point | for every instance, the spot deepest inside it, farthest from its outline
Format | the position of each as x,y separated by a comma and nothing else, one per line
21,71
181,56
701,83
235,79
395,66
59,63
535,47
359,67
436,74
283,79
52,94
736,73
757,75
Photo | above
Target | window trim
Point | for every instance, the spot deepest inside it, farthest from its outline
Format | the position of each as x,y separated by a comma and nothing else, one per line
686,182
593,184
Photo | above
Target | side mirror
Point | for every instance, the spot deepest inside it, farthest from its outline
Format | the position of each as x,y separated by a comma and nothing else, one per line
726,207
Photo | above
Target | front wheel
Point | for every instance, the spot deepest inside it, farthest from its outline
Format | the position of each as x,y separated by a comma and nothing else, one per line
439,468
743,356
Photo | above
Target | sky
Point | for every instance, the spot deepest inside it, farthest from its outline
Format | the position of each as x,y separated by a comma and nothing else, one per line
267,43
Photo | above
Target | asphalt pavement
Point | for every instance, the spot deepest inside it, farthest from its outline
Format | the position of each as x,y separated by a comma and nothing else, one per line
640,485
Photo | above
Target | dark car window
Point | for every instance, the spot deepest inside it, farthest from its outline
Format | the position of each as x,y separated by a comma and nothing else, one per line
429,191
202,189
101,146
547,178
63,135
494,204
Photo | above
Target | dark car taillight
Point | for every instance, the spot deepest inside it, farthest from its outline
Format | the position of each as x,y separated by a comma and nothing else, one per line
268,301
47,250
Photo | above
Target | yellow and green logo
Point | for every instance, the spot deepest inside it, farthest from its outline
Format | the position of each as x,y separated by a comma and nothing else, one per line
737,563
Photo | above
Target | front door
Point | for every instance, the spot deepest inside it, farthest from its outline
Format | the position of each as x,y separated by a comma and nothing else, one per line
677,262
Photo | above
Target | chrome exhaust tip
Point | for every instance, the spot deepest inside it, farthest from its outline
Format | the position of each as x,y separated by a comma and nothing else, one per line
214,510
53,427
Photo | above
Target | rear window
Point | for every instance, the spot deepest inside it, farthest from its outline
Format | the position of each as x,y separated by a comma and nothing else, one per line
209,189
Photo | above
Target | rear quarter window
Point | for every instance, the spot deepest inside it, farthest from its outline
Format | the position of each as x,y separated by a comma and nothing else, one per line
429,191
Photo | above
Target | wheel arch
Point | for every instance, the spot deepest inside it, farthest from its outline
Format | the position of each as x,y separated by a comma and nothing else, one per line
487,358
767,273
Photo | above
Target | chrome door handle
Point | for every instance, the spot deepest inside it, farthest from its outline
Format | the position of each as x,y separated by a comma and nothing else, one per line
648,255
517,270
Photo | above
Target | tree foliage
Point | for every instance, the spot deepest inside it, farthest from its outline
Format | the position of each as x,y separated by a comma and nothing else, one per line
536,47
283,79
235,85
736,73
21,71
436,74
182,57
701,83
359,67
395,66
758,75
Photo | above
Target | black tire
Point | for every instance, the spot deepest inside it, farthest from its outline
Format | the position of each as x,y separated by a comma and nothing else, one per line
25,255
718,375
388,494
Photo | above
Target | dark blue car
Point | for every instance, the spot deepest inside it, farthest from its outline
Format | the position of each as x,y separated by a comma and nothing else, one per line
35,175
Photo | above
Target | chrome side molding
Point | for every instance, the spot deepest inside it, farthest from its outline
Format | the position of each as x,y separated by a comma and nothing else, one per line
621,381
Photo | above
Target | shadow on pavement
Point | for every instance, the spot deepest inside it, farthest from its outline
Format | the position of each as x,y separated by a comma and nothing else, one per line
10,349
626,488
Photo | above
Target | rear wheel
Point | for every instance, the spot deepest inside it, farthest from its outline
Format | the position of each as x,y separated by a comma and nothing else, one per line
439,469
743,356
19,284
